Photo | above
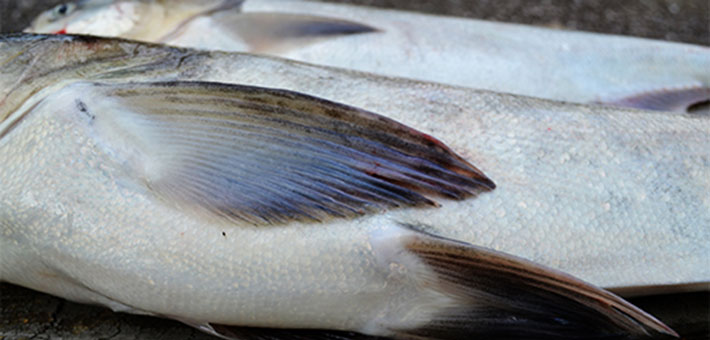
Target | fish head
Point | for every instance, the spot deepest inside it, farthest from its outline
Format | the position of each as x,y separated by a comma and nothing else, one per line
53,20
64,17
139,20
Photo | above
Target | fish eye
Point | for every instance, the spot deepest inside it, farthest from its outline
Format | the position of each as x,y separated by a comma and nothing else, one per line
62,10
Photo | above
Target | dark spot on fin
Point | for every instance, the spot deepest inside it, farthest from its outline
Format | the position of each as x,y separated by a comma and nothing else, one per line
676,100
279,32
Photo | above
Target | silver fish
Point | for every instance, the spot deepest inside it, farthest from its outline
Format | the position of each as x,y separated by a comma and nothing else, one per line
165,181
541,62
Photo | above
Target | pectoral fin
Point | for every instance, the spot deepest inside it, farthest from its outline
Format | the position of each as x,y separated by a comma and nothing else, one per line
279,32
268,156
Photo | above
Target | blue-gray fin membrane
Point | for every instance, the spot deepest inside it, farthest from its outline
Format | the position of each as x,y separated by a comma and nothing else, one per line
268,156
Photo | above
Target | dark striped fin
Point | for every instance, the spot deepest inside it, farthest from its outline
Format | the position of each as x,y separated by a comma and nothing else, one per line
504,297
279,32
269,156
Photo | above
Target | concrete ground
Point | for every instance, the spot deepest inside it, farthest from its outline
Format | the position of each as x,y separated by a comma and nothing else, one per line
26,314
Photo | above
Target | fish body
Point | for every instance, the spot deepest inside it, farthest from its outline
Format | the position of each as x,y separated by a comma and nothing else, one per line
119,181
552,155
534,61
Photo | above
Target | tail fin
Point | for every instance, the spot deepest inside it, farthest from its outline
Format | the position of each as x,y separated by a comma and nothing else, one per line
504,297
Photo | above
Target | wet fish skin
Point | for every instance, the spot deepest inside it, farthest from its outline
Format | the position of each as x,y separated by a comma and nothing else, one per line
562,65
609,216
91,214
44,117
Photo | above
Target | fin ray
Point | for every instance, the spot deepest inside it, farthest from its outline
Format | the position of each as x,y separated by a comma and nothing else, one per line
504,297
268,156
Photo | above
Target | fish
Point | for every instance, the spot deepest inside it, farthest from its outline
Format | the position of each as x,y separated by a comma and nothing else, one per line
629,218
571,66
257,197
